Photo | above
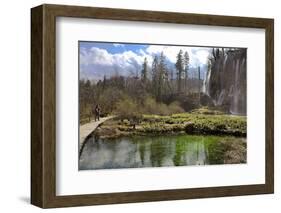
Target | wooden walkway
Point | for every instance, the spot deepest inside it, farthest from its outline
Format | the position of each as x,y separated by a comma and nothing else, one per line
88,128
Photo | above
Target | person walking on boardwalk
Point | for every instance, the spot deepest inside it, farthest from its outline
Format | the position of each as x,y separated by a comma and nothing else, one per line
97,112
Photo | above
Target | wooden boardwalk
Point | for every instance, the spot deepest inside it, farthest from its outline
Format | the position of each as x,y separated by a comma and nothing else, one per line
88,128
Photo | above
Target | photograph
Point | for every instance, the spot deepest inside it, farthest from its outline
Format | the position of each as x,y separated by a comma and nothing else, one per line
161,105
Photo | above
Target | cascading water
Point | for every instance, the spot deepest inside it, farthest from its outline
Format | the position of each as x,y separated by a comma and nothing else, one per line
206,82
225,80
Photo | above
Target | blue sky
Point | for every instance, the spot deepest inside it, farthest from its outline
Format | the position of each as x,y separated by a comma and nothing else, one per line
99,58
113,48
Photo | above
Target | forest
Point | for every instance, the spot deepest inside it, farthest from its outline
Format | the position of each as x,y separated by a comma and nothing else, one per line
155,90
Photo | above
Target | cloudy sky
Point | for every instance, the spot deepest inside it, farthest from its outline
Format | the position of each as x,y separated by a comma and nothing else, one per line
98,59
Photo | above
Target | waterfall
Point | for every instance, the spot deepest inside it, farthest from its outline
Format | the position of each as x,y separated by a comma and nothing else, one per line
206,82
225,81
236,91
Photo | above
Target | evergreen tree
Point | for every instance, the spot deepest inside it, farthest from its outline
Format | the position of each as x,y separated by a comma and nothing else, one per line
144,71
154,70
104,82
186,67
180,68
162,76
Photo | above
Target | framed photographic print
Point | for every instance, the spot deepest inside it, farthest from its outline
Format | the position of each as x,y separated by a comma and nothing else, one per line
136,106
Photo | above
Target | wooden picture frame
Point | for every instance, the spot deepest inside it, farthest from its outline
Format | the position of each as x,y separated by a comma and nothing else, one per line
43,105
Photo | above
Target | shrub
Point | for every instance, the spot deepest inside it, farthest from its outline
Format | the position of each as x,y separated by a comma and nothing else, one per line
207,111
175,107
108,100
152,107
128,109
163,109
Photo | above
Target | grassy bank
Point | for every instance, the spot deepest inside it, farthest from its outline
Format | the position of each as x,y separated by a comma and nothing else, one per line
196,122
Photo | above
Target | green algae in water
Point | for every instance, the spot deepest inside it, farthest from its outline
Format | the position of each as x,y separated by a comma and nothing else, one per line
161,151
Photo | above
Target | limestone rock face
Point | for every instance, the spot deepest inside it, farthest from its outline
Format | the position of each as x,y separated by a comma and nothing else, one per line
226,80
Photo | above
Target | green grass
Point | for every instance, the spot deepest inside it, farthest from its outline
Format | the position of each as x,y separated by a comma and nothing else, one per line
200,121
190,123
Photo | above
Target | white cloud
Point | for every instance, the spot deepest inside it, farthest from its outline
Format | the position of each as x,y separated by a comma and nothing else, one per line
118,45
169,51
197,55
97,62
202,56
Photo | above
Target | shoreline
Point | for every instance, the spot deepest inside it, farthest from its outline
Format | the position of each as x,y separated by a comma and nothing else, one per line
184,123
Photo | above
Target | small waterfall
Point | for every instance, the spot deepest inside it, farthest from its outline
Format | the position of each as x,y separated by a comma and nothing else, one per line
206,81
234,104
226,80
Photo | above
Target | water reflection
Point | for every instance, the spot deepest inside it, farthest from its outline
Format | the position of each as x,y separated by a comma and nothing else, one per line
156,151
